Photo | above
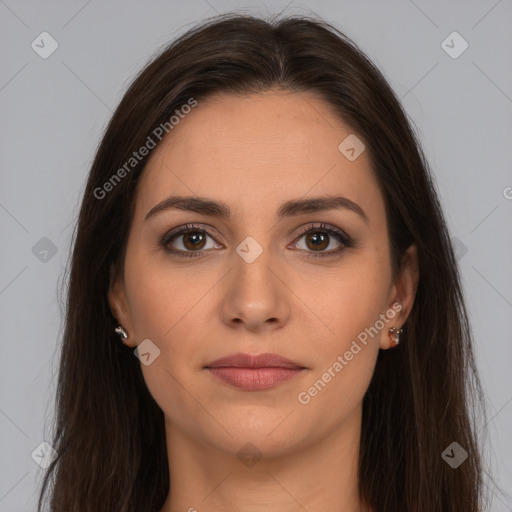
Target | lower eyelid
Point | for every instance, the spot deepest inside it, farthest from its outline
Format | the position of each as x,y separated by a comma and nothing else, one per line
327,253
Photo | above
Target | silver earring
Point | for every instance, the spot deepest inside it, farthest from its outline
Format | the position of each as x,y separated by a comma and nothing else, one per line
121,332
396,332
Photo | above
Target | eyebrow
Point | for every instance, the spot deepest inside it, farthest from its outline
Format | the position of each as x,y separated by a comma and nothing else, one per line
290,208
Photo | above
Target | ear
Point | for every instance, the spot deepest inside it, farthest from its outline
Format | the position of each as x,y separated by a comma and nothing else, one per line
402,292
119,305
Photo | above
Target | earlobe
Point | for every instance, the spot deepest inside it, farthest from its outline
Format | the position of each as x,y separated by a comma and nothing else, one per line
118,307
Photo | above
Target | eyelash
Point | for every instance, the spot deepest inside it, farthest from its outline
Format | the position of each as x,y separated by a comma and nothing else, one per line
342,237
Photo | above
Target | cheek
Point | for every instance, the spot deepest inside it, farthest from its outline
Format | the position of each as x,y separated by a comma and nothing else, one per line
165,309
349,302
348,347
337,389
171,307
344,301
162,298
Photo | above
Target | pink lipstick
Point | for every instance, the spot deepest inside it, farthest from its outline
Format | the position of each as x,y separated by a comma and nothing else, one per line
256,372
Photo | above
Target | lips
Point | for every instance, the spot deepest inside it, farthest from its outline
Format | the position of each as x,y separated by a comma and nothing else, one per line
257,361
256,372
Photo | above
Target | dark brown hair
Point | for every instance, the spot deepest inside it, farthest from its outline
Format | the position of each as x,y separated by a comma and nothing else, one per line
109,431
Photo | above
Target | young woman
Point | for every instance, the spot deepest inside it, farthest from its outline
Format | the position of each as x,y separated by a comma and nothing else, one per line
264,309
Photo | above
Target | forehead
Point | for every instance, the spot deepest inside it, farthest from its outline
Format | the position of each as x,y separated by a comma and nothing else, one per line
255,152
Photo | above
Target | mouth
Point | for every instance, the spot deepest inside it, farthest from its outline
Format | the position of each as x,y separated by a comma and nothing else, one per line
254,372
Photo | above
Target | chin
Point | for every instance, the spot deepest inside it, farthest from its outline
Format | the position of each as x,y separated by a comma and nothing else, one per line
269,436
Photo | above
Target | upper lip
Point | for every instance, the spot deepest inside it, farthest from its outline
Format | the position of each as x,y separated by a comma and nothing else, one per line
241,360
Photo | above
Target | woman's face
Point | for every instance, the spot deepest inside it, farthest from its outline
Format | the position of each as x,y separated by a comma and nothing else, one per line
253,282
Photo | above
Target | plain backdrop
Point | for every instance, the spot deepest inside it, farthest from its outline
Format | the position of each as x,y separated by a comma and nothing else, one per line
54,110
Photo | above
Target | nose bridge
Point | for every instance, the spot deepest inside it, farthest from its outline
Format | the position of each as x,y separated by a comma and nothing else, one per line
256,243
253,263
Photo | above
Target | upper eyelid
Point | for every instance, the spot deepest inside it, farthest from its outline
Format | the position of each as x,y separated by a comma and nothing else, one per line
323,227
210,231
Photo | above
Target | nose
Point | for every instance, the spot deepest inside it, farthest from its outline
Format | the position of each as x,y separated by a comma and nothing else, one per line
256,297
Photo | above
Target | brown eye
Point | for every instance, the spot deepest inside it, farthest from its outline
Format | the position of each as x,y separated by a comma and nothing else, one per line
194,240
187,241
318,238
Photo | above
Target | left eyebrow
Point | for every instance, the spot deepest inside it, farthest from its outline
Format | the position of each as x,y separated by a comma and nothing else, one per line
290,208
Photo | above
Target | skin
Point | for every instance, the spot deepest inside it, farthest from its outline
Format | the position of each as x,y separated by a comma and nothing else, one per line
254,153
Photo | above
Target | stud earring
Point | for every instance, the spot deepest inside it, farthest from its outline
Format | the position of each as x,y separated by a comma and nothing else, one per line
123,335
395,334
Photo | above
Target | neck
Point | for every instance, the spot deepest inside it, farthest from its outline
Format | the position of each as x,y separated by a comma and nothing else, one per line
313,477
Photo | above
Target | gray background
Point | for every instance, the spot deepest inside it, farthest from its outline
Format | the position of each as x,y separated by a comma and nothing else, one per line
54,111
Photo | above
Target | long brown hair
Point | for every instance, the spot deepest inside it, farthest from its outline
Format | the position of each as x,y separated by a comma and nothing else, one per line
109,432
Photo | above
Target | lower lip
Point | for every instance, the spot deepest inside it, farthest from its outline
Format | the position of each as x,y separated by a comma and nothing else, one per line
254,378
